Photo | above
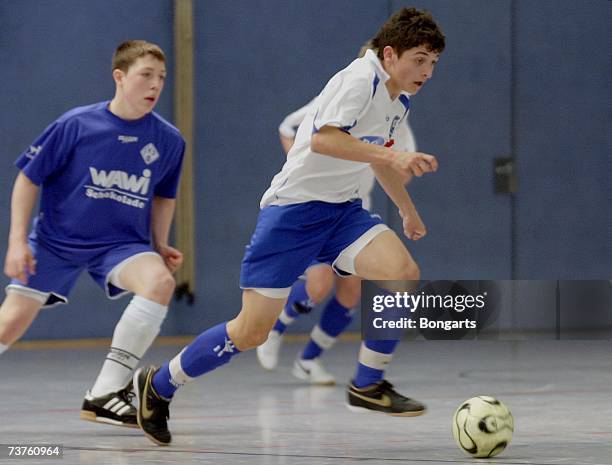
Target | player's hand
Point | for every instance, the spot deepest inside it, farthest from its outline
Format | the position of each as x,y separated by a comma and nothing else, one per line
173,258
414,228
414,163
19,262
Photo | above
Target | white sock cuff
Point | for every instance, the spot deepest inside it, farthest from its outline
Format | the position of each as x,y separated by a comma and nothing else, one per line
373,359
3,348
146,311
285,319
321,338
179,377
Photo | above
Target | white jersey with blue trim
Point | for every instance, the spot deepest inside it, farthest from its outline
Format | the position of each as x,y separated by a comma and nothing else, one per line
99,174
355,100
404,140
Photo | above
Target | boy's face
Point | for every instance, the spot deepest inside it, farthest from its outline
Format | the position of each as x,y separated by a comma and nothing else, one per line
410,71
143,83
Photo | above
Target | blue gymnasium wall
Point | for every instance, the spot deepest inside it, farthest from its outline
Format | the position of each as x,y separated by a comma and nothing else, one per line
258,60
564,139
463,117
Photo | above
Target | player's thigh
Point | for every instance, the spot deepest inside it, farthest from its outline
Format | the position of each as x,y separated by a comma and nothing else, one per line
256,318
319,281
146,273
54,279
386,258
348,290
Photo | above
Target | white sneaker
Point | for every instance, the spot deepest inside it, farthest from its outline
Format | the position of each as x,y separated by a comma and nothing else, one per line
267,353
312,371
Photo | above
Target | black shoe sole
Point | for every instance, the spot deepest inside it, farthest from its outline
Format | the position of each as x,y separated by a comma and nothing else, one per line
91,416
361,409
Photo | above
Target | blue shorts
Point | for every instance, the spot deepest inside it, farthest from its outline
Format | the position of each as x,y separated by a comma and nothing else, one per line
57,272
288,238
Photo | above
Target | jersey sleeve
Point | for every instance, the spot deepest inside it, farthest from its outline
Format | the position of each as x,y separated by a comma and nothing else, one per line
48,153
343,101
168,185
290,124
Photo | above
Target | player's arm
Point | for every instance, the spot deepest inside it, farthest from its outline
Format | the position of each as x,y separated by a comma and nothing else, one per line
393,184
286,142
288,127
19,258
162,213
334,142
407,142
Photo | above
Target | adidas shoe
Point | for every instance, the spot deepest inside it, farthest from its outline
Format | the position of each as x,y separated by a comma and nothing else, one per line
381,397
115,408
151,410
312,371
267,353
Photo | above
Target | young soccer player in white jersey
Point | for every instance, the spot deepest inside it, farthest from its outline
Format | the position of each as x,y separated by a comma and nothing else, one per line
320,278
107,174
312,212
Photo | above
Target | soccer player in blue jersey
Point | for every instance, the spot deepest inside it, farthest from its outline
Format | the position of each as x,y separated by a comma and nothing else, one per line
312,212
107,176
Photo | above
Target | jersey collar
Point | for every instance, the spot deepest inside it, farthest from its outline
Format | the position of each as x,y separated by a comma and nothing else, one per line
371,57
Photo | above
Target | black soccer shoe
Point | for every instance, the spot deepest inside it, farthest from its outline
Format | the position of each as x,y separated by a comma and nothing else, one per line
114,409
381,397
151,410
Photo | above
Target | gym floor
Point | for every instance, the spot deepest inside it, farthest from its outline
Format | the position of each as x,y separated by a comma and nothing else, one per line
560,393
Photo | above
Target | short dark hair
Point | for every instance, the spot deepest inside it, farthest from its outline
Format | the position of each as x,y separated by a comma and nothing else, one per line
409,28
129,51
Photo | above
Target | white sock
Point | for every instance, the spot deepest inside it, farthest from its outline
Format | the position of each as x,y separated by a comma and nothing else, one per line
3,348
134,334
285,318
373,359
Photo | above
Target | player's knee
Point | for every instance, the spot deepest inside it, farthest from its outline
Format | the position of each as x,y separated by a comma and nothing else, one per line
320,284
404,269
349,295
160,285
167,283
318,291
249,338
411,271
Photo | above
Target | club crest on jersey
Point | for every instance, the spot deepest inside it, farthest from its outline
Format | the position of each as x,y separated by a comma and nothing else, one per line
373,140
149,153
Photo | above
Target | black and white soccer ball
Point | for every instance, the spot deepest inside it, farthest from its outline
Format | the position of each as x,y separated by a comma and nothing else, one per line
483,426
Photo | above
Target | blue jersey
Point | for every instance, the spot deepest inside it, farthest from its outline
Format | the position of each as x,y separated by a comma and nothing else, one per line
99,174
